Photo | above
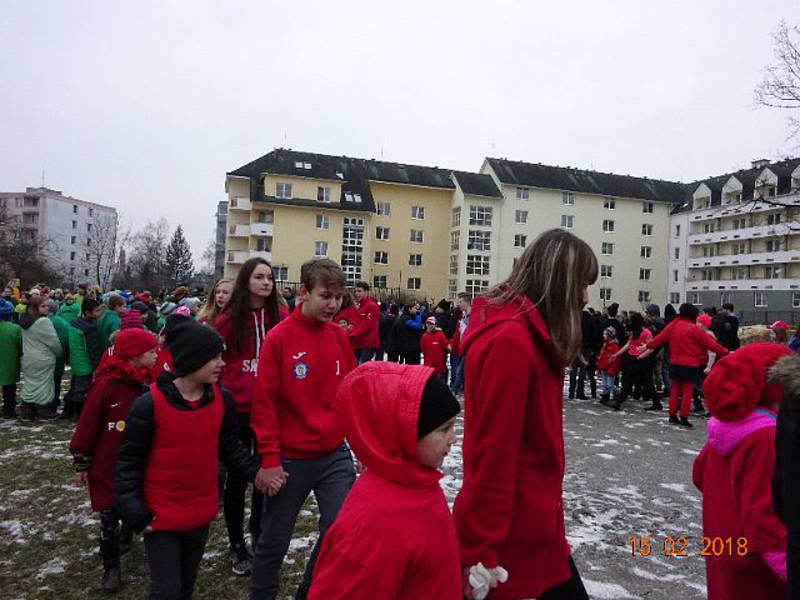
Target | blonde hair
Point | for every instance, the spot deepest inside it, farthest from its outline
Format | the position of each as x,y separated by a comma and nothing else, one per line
210,312
552,272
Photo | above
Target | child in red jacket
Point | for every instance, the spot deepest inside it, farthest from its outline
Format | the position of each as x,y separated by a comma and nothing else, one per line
125,370
394,537
434,346
608,367
734,471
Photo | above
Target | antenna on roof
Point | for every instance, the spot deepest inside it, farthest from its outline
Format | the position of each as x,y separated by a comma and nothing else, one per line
381,153
42,176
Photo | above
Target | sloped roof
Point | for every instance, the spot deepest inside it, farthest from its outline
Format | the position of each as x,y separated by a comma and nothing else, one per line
477,184
783,169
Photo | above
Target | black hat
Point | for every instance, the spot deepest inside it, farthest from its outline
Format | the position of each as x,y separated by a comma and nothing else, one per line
444,305
192,345
170,323
438,405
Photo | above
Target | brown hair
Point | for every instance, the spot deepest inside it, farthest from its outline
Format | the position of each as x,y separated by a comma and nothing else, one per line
322,271
115,301
210,311
239,304
363,285
552,273
33,307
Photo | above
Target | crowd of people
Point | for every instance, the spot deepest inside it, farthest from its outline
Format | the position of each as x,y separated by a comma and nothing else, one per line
182,401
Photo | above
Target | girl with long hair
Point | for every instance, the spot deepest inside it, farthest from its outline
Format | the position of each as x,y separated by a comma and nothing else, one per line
216,301
521,336
253,309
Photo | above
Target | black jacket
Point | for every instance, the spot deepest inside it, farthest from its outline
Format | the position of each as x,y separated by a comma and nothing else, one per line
387,333
407,338
726,328
138,437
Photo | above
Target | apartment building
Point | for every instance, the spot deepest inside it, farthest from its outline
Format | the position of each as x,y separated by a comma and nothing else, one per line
219,238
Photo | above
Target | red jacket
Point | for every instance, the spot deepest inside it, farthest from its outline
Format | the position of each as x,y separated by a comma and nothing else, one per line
434,348
164,361
604,362
300,368
509,511
365,332
394,537
239,374
733,471
688,344
455,341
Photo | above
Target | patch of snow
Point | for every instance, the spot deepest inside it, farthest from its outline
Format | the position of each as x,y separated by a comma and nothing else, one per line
611,591
55,566
675,487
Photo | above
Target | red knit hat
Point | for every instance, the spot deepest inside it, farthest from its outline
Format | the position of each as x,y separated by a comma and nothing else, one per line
738,382
705,320
133,342
131,319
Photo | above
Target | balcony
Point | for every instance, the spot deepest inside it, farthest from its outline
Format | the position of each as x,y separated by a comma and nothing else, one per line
729,235
238,230
736,260
237,257
261,229
742,285
732,210
240,203
261,254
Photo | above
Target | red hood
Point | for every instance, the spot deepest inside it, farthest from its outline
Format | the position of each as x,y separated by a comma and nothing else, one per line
379,406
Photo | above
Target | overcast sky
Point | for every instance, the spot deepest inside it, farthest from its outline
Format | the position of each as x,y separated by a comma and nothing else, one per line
145,105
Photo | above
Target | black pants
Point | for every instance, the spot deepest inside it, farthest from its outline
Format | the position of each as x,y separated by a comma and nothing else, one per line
174,559
58,375
111,535
9,399
571,590
235,491
410,358
639,373
78,388
578,375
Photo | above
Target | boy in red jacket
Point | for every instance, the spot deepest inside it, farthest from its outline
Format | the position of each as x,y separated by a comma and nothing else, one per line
608,367
394,537
298,433
434,346
121,378
734,471
364,335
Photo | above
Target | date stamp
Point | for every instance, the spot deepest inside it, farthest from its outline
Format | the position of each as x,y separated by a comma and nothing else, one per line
680,546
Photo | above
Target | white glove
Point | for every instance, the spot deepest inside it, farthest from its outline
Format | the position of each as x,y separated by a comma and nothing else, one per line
481,579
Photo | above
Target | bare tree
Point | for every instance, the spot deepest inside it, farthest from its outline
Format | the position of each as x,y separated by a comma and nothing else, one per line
780,87
103,246
23,253
146,259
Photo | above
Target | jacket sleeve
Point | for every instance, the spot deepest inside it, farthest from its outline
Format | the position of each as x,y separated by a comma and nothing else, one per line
349,359
231,450
415,323
264,414
132,462
662,338
709,343
93,348
367,321
50,337
89,428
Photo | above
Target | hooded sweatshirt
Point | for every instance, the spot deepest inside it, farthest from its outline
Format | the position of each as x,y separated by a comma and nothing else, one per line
365,332
84,346
688,344
394,536
733,471
509,511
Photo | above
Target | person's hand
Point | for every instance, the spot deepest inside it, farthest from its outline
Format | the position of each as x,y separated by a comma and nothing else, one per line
467,588
82,478
270,480
481,579
147,530
707,370
360,468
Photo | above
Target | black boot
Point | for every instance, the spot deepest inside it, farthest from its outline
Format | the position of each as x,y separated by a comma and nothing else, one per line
109,551
684,422
125,540
697,406
605,398
673,420
656,405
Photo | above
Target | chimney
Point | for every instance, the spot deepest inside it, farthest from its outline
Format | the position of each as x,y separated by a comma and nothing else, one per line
759,163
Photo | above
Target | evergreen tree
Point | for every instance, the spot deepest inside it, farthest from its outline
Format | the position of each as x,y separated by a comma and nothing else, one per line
178,262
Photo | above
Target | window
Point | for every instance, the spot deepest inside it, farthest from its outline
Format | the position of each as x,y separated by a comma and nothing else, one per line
646,251
644,274
454,264
675,298
323,194
86,272
73,239
605,293
567,198
644,296
606,271
414,283
72,256
417,236
773,272
74,209
709,251
280,273
475,287
522,193
773,245
479,240
323,222
320,248
452,287
480,215
709,227
677,253
739,274
74,224
415,260
455,239
774,219
520,241
477,264
740,223
675,275
725,298
795,299
379,281
30,218
455,219
89,227
677,231
607,249
647,229
418,212
609,203
264,244
647,207
608,226
740,248
91,212
88,256
382,233
707,274
694,298
521,217
283,190
381,257
266,216
384,209
760,299
567,221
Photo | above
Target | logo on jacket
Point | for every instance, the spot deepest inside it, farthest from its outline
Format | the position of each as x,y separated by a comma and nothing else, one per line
300,370
299,355
116,425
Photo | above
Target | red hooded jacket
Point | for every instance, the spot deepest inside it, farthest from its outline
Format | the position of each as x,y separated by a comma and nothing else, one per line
394,536
688,344
509,511
604,362
365,332
434,348
239,374
300,368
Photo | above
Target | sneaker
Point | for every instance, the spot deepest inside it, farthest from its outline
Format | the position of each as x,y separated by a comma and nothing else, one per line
673,420
241,561
112,580
654,406
684,422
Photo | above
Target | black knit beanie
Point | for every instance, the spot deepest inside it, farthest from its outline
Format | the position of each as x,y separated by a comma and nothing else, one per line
170,323
192,345
438,405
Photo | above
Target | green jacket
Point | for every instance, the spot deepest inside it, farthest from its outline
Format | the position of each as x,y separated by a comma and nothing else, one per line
11,351
70,311
84,347
108,323
62,330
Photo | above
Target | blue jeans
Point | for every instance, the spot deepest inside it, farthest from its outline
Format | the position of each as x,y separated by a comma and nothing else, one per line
457,369
330,477
608,385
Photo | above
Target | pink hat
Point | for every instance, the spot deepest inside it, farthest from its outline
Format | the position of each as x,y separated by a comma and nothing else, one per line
705,320
778,325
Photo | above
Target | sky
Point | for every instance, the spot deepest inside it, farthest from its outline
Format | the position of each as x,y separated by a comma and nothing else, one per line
146,105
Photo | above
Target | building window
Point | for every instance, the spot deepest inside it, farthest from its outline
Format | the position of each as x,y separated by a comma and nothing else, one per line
381,257
88,256
73,239
773,272
522,193
773,245
795,299
475,287
418,212
379,281
74,224
739,274
480,215
760,299
567,198
567,221
646,251
266,216
675,275
320,248
30,218
455,240
677,231
74,209
382,233
608,225
644,296
323,222
384,209
774,219
647,207
740,248
352,197
280,273
86,272
740,223
283,190
707,275
709,251
264,244
72,256
520,241
452,287
323,194
607,248
417,236
605,293
455,219
725,298
454,264
644,274
606,271
414,283
479,240
677,253
674,297
91,212
415,260
609,203
709,227
694,298
647,229
477,264
521,217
